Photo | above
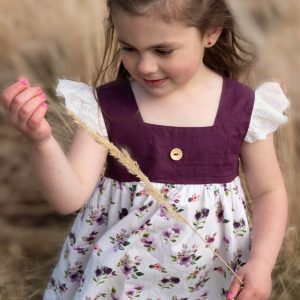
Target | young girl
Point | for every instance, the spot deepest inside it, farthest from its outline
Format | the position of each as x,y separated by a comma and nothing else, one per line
176,108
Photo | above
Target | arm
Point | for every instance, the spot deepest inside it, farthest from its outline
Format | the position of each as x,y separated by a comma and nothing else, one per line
67,181
269,198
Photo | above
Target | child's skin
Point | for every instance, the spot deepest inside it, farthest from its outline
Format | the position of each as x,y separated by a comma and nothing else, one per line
57,174
72,177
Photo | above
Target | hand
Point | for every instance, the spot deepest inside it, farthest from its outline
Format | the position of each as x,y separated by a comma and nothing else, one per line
257,282
25,108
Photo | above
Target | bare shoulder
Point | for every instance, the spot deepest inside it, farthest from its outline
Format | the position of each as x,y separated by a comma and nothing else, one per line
261,166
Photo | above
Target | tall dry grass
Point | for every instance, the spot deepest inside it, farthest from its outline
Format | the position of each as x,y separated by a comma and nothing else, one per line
47,39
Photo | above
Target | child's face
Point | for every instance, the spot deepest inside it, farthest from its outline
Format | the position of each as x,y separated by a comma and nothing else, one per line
162,57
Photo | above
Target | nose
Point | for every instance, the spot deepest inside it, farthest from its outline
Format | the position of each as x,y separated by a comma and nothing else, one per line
147,65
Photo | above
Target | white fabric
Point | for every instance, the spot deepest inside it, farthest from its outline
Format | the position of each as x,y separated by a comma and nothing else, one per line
267,115
80,99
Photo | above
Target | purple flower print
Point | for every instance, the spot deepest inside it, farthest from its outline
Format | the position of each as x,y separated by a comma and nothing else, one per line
129,266
204,295
177,228
97,250
101,187
102,219
237,261
74,273
163,212
220,216
205,212
200,218
226,242
98,272
226,189
120,240
103,273
130,294
236,225
135,292
239,227
200,284
90,238
72,238
143,209
62,287
123,213
132,190
143,227
168,283
172,234
220,213
127,269
81,250
186,257
148,242
166,233
185,260
98,217
52,282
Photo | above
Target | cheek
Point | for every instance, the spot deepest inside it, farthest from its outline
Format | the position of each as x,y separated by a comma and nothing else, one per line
185,69
127,62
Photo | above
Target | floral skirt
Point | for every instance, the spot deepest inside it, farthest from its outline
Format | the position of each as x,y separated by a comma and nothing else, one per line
125,245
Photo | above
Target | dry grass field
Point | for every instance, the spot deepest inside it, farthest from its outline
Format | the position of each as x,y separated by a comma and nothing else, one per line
46,40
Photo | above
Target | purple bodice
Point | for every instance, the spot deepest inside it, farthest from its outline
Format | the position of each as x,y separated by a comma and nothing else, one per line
206,154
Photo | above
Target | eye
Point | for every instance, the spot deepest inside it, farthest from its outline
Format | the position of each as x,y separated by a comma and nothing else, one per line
164,52
127,49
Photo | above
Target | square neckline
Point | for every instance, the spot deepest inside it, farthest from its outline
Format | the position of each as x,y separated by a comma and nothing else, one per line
216,120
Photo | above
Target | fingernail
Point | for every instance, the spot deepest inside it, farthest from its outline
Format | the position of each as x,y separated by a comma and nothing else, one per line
44,105
43,96
230,295
23,82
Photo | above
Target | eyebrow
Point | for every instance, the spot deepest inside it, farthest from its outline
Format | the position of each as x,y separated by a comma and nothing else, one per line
162,45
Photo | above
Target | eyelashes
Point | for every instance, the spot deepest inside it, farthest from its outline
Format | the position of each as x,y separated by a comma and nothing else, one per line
162,52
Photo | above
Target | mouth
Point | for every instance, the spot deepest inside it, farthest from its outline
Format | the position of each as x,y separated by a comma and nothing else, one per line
156,82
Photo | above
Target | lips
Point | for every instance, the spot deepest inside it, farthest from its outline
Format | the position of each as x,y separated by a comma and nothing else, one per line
155,82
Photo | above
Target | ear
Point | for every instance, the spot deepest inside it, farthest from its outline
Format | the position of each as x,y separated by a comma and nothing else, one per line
212,36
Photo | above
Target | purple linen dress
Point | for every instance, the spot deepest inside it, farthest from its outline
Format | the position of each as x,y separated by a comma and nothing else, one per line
124,245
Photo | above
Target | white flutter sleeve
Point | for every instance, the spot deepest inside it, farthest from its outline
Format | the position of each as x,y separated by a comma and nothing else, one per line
267,114
80,99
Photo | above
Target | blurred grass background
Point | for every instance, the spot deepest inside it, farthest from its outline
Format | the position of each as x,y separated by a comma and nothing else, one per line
45,40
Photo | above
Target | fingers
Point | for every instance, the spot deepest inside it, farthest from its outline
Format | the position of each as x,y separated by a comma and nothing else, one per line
23,104
12,91
22,98
234,289
37,117
28,109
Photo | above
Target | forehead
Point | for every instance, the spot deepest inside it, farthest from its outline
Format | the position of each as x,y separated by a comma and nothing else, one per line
166,10
145,30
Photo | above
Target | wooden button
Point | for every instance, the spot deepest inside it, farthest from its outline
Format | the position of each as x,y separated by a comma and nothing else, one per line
176,154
